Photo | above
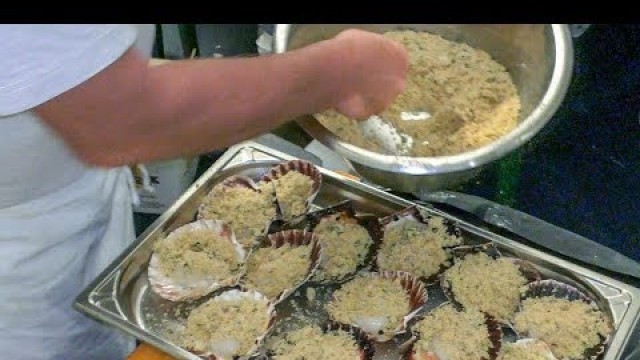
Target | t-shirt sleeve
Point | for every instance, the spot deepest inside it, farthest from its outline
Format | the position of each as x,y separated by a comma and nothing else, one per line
40,62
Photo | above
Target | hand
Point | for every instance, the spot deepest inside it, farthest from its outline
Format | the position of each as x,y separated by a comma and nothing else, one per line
372,71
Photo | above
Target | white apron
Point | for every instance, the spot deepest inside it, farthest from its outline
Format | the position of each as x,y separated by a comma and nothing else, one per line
61,224
51,248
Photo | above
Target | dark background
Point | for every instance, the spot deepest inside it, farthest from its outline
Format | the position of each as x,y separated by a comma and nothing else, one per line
582,172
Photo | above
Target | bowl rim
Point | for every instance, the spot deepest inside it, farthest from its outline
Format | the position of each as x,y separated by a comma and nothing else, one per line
529,127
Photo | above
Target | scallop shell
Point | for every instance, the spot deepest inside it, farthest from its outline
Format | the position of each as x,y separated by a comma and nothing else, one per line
346,210
526,269
417,298
175,290
236,294
295,238
413,214
550,287
494,332
245,182
303,167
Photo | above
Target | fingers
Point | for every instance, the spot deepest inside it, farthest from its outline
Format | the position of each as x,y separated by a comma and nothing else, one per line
355,107
376,69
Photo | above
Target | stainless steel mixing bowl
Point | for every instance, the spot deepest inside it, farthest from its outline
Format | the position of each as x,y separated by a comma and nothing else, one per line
539,57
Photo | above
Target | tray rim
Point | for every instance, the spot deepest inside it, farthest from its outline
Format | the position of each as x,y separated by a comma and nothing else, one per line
85,302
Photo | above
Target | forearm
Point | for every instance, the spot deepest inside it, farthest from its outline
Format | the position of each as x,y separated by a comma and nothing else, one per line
259,94
188,107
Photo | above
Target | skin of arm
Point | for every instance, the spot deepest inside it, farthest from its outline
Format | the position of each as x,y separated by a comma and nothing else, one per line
131,112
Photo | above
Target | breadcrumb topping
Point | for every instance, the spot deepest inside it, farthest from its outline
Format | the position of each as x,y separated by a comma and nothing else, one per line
374,304
345,247
226,327
197,254
569,327
293,190
415,247
454,335
246,211
271,270
310,343
490,285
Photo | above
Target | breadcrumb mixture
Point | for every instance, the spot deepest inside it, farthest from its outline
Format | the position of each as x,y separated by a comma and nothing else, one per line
345,246
371,303
490,285
226,326
569,327
246,211
471,100
415,247
199,254
271,270
312,344
454,335
293,190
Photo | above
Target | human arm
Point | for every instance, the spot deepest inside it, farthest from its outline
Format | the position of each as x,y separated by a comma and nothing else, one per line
130,112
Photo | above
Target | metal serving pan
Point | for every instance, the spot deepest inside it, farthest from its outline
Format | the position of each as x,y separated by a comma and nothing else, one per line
120,296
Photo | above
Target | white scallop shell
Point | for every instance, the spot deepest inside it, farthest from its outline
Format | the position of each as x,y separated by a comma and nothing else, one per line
303,167
296,238
189,288
246,182
417,298
225,350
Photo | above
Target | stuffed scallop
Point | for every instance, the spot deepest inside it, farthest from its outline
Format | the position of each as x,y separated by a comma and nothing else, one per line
492,285
526,349
295,183
194,260
416,245
247,208
229,326
380,304
348,242
449,334
563,317
283,262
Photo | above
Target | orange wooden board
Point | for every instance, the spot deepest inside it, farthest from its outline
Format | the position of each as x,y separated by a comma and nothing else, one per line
147,352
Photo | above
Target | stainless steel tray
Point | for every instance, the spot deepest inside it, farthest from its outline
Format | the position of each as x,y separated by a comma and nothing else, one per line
120,296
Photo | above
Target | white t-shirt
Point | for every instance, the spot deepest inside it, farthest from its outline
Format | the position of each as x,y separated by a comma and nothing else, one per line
61,222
